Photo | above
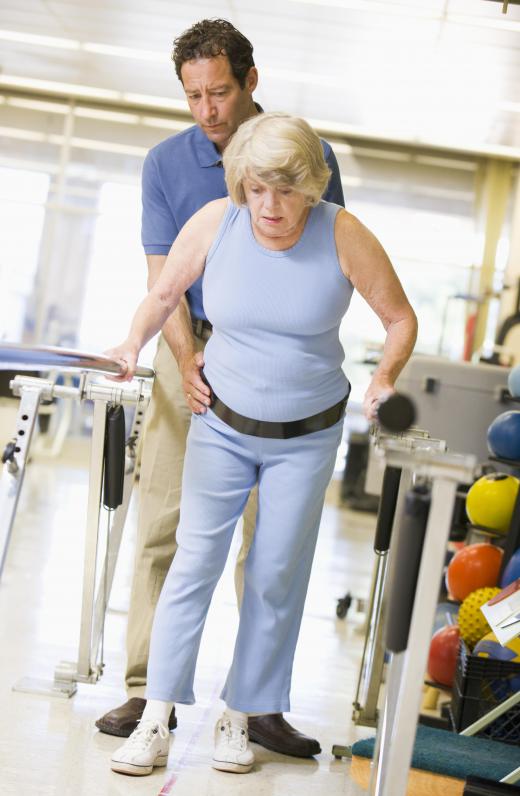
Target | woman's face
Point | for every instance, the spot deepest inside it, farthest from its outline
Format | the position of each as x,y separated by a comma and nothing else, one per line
276,212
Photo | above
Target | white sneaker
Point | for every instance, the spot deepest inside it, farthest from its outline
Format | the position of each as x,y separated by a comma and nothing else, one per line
232,750
146,747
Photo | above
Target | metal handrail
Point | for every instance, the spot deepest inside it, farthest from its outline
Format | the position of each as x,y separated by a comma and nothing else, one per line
25,357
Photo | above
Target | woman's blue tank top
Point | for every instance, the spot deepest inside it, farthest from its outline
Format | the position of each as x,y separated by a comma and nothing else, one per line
275,352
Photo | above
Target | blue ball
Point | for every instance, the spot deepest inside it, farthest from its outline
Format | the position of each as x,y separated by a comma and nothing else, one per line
513,381
445,614
512,570
503,436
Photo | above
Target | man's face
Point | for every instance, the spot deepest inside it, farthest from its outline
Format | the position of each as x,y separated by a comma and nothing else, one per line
216,101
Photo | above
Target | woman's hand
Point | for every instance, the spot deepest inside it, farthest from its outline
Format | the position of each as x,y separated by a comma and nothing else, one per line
196,391
378,390
126,355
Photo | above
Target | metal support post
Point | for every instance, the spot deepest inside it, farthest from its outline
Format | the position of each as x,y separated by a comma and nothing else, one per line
397,730
14,459
87,664
117,525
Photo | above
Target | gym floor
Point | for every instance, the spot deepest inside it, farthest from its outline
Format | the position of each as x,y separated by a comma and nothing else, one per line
50,747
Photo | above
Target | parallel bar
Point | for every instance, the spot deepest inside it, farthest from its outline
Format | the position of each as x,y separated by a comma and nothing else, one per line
14,356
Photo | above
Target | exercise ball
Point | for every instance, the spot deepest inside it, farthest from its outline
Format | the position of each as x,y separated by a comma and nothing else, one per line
491,500
472,622
513,381
503,436
490,647
445,614
442,657
473,567
512,570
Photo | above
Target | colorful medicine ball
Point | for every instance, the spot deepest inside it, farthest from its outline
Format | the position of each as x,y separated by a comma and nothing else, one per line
472,622
513,381
491,500
512,570
443,653
503,436
472,568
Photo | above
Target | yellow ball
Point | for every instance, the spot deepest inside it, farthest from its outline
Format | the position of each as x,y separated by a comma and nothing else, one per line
491,500
472,622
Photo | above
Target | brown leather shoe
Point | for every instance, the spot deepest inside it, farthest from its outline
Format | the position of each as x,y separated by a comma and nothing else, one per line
123,720
273,732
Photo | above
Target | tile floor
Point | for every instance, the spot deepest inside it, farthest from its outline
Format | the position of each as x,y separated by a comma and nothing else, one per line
50,747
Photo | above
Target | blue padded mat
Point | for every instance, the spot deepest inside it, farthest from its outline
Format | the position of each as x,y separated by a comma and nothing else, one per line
454,755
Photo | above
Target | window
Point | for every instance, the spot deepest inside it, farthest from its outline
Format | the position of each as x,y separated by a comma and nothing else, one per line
116,281
23,195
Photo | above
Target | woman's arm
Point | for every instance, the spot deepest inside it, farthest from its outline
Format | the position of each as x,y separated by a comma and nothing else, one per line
184,264
364,261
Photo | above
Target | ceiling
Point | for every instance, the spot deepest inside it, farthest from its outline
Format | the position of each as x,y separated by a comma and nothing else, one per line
434,71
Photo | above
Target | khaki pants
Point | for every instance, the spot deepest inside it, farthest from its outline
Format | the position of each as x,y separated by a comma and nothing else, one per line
164,444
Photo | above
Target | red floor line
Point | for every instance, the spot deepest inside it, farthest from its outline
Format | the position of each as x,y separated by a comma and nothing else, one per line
170,782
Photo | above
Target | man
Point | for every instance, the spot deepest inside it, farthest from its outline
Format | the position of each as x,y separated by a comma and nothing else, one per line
214,62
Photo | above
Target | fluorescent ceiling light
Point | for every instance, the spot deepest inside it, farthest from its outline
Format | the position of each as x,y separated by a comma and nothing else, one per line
381,154
296,76
25,135
484,22
16,81
79,143
160,102
107,116
91,92
45,41
341,148
29,165
373,6
123,52
445,163
412,12
38,105
101,146
119,117
166,124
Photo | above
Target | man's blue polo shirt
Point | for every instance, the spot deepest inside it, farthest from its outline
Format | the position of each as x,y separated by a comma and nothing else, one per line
182,174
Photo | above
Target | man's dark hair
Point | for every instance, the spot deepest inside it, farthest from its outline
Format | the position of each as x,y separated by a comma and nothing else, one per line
209,38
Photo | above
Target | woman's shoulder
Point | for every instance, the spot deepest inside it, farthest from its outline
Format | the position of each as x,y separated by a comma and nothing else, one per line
348,225
215,209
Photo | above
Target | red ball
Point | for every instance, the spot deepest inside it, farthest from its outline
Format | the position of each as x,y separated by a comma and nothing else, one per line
442,658
474,567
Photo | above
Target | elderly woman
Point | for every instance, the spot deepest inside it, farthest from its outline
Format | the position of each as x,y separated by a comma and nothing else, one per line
279,266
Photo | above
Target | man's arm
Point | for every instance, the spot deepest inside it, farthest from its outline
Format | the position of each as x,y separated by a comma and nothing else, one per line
178,333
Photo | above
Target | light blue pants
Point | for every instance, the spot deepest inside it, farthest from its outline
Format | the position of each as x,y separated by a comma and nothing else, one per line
220,468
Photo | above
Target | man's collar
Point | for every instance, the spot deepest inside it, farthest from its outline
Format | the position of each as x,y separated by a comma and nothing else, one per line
207,152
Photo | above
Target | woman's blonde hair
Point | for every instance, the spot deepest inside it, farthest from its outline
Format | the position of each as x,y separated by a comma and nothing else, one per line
277,149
